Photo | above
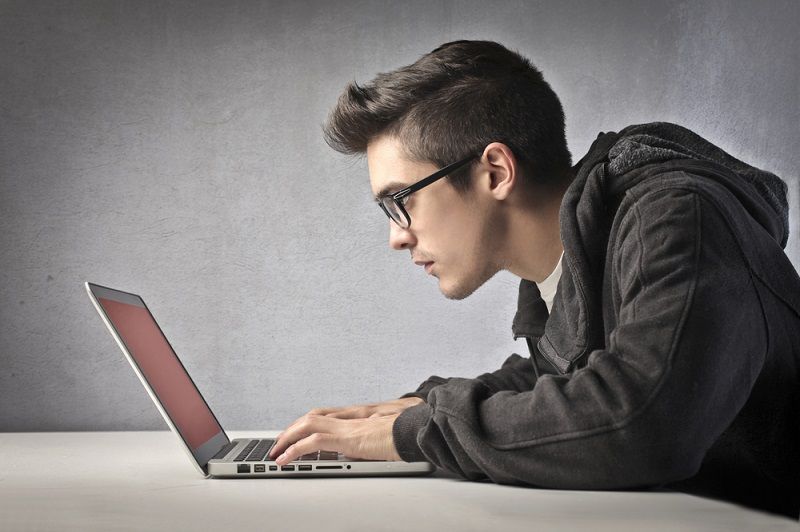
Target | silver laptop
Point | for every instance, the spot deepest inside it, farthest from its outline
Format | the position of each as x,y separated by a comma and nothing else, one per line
189,416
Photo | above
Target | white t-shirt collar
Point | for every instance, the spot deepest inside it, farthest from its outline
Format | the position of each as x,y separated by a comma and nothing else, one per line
548,287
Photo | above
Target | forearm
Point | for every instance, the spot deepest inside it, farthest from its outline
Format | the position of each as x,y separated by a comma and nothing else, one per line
517,373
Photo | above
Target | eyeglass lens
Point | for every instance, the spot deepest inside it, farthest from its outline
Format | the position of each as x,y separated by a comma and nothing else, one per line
393,211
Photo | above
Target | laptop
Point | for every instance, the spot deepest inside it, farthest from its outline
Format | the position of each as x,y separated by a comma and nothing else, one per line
188,415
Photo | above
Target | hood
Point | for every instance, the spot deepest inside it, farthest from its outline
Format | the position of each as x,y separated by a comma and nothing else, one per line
762,193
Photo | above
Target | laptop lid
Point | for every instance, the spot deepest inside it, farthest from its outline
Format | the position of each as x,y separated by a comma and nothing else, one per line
161,372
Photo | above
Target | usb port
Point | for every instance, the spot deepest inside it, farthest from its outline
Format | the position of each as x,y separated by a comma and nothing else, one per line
259,468
243,468
304,467
273,468
287,468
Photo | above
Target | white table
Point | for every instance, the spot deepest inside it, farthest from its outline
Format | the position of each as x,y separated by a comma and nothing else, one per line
73,481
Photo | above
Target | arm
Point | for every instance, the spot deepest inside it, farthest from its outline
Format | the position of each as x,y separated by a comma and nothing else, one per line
678,367
517,373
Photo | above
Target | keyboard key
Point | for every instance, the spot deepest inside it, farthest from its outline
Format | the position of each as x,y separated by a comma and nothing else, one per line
243,454
259,452
225,450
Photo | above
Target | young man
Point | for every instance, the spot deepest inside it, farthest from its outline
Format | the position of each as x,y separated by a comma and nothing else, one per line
669,355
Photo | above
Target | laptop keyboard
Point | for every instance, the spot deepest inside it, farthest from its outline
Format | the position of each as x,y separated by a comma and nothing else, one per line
257,450
321,455
225,450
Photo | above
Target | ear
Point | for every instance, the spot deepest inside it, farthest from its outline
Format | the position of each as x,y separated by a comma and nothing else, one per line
502,169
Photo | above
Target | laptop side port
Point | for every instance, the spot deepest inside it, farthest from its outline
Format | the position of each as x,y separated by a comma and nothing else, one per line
287,468
243,468
273,468
259,468
304,467
329,467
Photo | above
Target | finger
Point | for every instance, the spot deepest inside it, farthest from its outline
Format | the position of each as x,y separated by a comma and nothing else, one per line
280,440
303,427
310,444
281,437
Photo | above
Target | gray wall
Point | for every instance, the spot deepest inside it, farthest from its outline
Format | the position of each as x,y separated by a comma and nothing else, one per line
175,151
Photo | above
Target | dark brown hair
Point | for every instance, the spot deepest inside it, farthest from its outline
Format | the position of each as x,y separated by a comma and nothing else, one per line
453,102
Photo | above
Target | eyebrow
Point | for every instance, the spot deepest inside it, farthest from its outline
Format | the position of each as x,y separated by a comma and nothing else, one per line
393,185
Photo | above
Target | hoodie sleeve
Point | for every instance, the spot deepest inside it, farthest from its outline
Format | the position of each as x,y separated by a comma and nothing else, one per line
517,373
688,344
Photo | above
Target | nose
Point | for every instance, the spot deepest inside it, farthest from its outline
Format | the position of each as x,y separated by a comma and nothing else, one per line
400,238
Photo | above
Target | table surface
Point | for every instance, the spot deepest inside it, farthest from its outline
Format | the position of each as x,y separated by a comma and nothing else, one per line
73,481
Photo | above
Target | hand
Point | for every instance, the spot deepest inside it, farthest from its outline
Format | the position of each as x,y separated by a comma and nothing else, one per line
385,408
367,438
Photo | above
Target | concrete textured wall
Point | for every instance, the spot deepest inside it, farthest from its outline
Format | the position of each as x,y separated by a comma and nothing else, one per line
174,150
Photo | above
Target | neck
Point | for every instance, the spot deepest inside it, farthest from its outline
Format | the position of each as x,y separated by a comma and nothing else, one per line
535,241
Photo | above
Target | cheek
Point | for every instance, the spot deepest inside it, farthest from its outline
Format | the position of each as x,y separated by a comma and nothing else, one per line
450,229
462,239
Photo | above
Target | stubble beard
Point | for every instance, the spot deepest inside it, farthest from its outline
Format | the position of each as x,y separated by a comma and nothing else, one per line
487,247
468,286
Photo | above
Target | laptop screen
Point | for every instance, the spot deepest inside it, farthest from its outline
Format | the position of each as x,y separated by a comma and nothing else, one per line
163,371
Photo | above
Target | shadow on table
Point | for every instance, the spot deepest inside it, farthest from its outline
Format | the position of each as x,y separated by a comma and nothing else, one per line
790,511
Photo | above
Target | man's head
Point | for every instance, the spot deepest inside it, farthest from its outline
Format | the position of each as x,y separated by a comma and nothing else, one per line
464,98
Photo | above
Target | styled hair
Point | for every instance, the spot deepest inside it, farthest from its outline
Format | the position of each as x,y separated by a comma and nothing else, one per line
453,102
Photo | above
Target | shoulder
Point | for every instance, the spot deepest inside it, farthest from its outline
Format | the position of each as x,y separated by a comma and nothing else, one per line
670,228
673,207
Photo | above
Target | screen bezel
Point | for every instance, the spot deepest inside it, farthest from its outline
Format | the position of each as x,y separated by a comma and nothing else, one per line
94,296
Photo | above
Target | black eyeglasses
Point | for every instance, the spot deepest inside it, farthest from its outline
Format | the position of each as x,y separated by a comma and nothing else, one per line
394,204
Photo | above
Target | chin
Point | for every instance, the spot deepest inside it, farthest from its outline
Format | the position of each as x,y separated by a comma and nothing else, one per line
456,291
461,288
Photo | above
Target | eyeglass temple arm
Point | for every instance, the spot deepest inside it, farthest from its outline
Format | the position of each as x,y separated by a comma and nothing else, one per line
400,194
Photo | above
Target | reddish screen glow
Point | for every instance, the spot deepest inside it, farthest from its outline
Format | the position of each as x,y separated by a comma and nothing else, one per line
162,369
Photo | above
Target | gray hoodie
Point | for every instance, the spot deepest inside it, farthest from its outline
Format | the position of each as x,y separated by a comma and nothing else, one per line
671,357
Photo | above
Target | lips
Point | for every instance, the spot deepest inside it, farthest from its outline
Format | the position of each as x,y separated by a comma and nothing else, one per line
427,264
